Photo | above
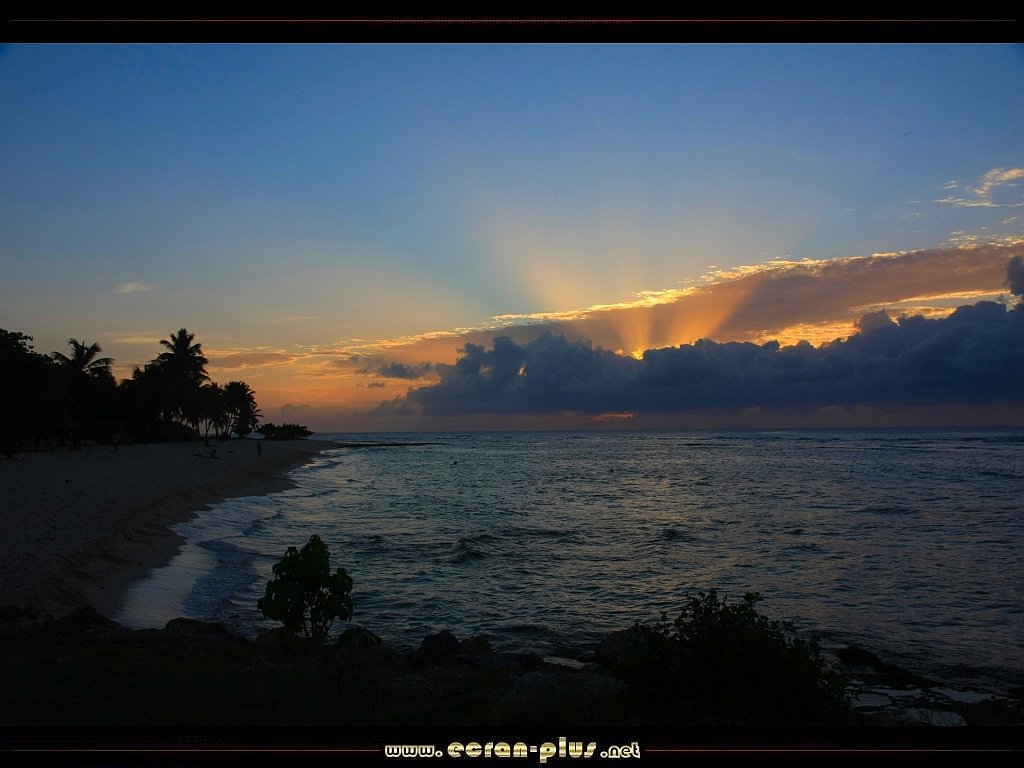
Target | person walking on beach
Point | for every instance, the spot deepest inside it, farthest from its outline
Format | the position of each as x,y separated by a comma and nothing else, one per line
259,449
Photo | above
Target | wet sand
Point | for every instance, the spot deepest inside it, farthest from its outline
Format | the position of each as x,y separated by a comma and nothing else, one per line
79,526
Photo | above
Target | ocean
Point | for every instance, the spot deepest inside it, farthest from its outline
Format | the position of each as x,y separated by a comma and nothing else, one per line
907,542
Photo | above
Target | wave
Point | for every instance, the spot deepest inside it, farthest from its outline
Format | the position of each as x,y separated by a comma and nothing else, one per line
674,534
463,553
520,532
467,548
372,543
884,510
993,473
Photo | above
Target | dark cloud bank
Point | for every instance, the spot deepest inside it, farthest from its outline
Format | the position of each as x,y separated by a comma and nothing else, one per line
396,370
976,355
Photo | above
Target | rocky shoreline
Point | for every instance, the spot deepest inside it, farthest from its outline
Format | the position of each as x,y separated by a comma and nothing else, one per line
360,679
886,694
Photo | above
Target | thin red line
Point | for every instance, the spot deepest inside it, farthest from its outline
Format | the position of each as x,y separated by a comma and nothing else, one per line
470,20
822,750
646,750
172,750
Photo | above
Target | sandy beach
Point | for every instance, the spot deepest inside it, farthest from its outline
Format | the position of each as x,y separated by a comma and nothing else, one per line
79,526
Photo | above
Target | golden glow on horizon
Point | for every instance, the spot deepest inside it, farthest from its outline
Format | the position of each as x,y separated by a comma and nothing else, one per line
613,416
815,334
757,303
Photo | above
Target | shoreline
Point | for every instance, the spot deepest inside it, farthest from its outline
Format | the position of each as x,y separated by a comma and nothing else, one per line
80,526
116,508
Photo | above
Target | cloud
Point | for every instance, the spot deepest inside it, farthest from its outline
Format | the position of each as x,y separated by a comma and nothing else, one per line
395,370
754,303
976,355
997,177
1015,275
981,196
248,359
817,300
133,287
294,410
613,417
140,337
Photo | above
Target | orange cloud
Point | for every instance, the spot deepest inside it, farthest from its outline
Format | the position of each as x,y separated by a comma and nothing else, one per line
814,300
247,359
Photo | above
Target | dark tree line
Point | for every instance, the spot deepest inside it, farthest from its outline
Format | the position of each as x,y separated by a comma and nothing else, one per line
284,431
70,397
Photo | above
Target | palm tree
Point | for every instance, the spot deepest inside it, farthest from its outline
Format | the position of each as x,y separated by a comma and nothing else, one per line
142,401
183,358
83,360
212,411
90,386
184,366
240,405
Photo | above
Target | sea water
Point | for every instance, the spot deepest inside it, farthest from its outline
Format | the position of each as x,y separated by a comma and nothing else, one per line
907,542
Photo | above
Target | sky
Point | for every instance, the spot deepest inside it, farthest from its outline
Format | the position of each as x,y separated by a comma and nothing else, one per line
336,223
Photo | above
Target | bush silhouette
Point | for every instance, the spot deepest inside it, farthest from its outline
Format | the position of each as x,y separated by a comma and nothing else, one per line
724,663
304,595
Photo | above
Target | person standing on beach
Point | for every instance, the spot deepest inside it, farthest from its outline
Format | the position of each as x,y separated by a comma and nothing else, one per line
116,440
259,449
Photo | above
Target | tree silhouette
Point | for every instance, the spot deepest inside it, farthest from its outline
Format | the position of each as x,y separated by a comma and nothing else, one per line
83,360
33,397
48,397
184,359
240,406
212,411
91,387
304,595
141,400
183,366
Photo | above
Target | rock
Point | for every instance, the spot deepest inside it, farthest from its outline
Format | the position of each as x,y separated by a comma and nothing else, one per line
962,697
903,677
628,649
358,637
993,712
871,699
199,633
475,646
538,684
12,614
278,638
564,697
414,687
932,717
562,661
438,647
85,620
856,656
194,628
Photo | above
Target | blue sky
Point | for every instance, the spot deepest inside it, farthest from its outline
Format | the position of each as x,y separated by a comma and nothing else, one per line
293,196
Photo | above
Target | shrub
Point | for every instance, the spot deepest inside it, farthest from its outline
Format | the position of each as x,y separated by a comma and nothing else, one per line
284,431
721,663
304,595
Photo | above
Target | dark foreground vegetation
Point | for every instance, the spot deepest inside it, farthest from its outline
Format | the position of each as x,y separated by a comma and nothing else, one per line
716,663
73,397
85,670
